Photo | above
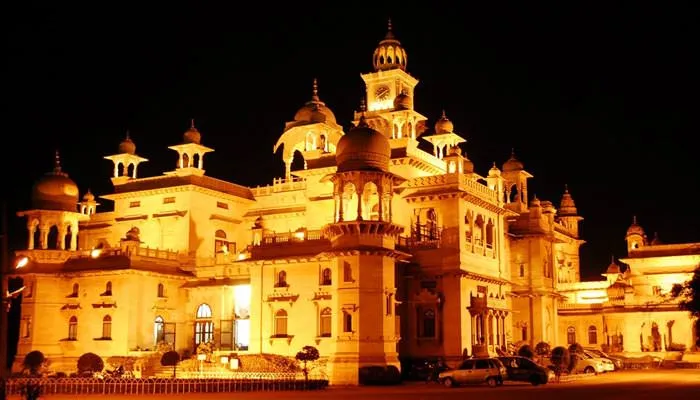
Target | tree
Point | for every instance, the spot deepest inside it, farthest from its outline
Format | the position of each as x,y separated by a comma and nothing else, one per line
33,361
689,294
170,359
560,360
526,351
306,355
542,349
575,353
90,362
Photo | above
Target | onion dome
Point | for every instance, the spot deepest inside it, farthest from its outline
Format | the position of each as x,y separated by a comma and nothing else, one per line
613,268
513,164
454,151
192,135
494,171
315,110
363,149
389,54
444,125
402,101
635,229
127,146
55,191
89,196
567,207
467,165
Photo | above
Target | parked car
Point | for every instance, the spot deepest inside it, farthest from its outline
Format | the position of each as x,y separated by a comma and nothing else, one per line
474,371
608,365
523,369
588,365
618,362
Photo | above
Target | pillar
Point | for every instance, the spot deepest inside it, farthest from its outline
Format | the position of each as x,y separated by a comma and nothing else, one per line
381,203
116,169
61,239
44,236
31,228
74,237
201,160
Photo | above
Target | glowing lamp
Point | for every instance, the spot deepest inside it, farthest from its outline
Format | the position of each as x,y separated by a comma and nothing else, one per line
224,360
22,262
201,357
299,235
94,253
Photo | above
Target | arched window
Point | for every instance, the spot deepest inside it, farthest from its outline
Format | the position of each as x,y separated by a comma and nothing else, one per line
74,293
108,289
220,242
161,290
281,323
203,325
347,322
427,318
325,322
489,234
326,279
158,330
107,327
281,279
347,272
570,335
73,328
592,335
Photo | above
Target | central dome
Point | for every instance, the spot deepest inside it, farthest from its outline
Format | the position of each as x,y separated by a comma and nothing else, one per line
315,110
55,191
363,149
389,54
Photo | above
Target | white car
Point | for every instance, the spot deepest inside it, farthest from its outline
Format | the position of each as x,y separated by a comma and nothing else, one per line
608,365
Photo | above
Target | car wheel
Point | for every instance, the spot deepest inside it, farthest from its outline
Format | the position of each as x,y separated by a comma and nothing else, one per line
493,382
448,382
535,380
589,370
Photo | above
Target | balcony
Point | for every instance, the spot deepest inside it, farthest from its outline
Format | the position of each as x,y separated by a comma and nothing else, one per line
280,185
423,237
290,244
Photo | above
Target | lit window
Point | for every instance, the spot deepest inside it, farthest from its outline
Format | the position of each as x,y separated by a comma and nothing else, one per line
107,327
592,335
325,323
326,277
73,328
281,323
203,326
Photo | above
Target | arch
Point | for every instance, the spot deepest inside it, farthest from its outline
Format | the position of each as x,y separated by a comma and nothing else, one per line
73,328
347,322
161,290
592,335
326,277
185,160
298,162
324,322
350,200
281,279
203,311
130,170
67,239
108,288
347,272
428,323
203,325
221,244
323,143
52,240
158,330
570,335
107,327
489,234
281,323
370,199
479,230
514,193
196,158
468,216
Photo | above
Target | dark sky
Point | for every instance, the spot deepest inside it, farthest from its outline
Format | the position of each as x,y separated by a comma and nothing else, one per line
602,98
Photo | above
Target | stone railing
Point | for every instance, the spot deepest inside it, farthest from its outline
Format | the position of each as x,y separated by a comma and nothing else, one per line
291,237
414,151
280,185
477,189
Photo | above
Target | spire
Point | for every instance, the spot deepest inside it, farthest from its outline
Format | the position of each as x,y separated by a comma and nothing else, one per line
444,116
612,259
57,163
314,93
566,189
192,127
512,153
634,220
389,31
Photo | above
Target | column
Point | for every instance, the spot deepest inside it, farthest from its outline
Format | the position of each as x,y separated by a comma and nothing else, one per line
61,239
179,160
381,202
201,160
135,166
44,236
31,228
335,206
288,168
340,198
74,237
116,169
359,204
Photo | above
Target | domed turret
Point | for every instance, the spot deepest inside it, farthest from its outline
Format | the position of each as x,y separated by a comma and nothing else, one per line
567,205
444,125
315,110
513,164
613,268
192,135
55,191
389,54
127,146
467,165
89,196
363,149
494,171
402,101
635,229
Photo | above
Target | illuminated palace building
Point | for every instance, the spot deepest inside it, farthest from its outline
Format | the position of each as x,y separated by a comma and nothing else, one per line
375,250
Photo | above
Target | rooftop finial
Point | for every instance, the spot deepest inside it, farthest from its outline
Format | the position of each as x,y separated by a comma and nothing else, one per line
128,137
57,162
566,188
192,124
314,93
389,27
363,105
512,152
443,114
634,220
612,259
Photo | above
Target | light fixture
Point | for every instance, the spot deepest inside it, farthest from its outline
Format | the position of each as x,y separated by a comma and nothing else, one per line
94,253
22,262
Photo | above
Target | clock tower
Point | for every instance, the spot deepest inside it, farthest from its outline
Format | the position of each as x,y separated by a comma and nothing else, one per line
390,90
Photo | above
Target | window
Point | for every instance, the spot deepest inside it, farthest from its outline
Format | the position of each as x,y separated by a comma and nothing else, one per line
135,204
73,328
570,335
223,205
325,323
74,293
108,289
326,277
107,327
347,272
161,290
221,244
469,364
25,328
481,364
203,325
226,334
347,322
281,323
426,322
592,335
168,200
158,330
281,279
522,270
523,331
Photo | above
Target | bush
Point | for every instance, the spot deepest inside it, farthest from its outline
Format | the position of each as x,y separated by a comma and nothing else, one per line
90,363
575,348
542,349
526,351
559,359
306,355
33,361
170,359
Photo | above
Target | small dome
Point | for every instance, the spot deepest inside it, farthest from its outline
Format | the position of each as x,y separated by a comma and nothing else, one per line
513,164
315,110
656,240
363,149
613,268
635,229
192,135
127,146
89,196
444,125
536,202
567,205
454,151
55,191
467,165
494,171
402,102
389,54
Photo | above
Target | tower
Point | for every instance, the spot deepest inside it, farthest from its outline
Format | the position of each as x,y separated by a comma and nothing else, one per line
191,153
52,222
390,93
88,206
516,184
313,132
444,137
635,237
125,161
363,241
568,214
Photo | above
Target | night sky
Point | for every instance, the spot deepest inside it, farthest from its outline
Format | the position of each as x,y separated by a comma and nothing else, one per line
602,98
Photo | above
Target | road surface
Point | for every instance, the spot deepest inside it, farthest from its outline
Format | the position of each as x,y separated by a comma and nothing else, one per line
636,385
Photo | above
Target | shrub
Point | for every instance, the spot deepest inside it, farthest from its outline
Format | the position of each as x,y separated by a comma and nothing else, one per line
306,355
559,359
170,359
90,362
33,361
575,348
542,349
526,351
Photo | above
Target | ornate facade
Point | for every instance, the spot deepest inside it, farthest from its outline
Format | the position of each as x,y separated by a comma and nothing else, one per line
377,249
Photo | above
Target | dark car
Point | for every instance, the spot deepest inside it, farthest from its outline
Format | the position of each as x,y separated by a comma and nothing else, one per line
522,369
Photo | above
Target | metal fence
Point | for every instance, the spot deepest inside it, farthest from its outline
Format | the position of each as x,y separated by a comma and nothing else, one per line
86,386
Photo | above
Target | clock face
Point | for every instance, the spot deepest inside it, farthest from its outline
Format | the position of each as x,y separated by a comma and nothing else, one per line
382,93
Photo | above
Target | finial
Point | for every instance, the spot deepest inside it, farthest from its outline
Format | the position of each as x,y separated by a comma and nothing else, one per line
363,121
612,259
634,220
494,165
314,93
443,114
57,162
566,189
389,27
192,124
512,152
128,137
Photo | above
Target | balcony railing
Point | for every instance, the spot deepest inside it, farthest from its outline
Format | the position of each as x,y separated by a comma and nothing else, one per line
291,237
280,185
